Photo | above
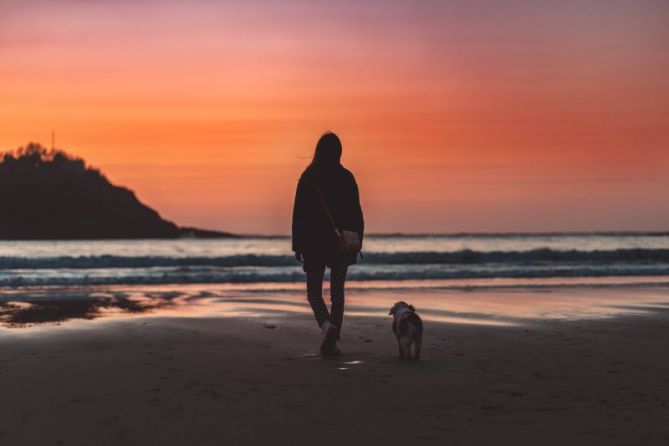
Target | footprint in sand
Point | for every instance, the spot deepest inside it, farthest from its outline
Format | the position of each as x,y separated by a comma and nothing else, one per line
121,435
111,420
292,406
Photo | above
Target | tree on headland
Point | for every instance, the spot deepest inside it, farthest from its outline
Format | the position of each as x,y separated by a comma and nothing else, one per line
34,155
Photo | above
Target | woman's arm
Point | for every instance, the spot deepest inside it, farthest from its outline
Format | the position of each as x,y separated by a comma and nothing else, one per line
298,216
357,210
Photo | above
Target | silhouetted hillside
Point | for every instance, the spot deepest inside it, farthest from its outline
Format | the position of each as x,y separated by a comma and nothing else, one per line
47,194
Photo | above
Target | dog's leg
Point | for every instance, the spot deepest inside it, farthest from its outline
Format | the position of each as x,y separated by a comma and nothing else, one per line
400,349
415,348
405,348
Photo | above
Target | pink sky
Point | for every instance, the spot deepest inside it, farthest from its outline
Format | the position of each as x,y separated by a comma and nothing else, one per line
455,116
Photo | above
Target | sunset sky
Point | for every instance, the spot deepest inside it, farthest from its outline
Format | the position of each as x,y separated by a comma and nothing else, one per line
455,115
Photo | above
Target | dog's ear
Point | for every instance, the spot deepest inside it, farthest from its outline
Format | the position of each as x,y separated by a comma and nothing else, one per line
412,308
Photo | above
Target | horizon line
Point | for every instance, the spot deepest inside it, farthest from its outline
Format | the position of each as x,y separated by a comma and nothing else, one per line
624,233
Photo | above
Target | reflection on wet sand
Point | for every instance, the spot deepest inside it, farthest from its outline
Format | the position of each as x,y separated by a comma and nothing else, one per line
26,307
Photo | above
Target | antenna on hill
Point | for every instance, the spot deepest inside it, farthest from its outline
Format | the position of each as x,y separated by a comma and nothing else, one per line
53,140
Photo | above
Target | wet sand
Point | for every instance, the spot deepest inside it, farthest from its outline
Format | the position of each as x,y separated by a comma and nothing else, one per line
171,380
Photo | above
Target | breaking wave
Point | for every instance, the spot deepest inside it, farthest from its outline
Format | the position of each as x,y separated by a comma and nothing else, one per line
467,257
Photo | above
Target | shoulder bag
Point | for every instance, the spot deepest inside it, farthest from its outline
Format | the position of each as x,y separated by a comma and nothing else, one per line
348,242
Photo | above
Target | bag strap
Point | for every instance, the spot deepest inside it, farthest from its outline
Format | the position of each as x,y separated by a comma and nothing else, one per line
325,205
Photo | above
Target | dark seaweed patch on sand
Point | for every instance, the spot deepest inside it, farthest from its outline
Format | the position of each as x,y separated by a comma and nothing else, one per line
41,311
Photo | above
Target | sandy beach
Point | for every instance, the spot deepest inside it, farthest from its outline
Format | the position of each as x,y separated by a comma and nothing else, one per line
237,378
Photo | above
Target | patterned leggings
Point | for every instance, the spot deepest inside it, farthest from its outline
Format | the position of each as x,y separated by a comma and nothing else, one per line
315,275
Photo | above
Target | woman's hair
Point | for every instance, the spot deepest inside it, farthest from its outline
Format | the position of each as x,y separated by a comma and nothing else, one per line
327,153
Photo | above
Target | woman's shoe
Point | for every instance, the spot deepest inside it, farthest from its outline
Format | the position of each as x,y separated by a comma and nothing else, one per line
334,351
329,340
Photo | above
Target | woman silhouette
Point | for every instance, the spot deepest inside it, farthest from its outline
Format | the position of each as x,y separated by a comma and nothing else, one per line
326,200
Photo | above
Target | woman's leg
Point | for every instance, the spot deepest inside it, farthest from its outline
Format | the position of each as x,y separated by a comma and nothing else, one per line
315,292
337,280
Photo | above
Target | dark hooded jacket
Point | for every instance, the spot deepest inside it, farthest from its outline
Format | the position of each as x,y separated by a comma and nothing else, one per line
313,234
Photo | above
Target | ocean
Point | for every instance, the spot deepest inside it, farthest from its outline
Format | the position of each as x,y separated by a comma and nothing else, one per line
395,261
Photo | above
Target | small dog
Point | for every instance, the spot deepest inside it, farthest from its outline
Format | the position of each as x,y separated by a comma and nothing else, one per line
408,329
